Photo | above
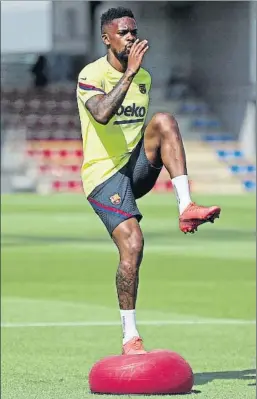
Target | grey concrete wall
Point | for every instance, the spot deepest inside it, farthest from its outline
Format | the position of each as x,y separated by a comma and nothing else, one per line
71,27
219,41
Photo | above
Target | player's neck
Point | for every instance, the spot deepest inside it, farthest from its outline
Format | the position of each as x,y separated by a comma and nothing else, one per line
115,63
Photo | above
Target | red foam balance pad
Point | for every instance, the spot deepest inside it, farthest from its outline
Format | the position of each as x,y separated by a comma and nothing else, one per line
156,372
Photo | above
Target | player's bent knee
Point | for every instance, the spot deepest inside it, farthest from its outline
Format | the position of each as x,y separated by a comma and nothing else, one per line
132,253
163,121
137,246
133,249
135,243
129,240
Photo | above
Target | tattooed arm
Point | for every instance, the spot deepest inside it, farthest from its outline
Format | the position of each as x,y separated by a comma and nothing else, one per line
103,106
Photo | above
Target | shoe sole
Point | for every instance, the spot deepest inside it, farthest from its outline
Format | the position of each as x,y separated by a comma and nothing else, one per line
195,223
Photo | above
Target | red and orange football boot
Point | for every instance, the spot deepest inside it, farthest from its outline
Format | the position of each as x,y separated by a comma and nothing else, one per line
195,215
134,347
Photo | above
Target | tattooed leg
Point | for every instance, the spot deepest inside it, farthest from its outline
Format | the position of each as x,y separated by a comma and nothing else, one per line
127,280
129,240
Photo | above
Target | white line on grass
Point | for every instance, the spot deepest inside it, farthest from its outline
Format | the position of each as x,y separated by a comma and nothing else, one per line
117,323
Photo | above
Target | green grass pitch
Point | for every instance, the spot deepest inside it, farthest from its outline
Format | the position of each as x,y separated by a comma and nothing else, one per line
59,306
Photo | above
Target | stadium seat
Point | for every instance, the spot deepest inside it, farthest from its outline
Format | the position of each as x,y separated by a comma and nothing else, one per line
193,108
243,169
249,185
205,123
218,137
228,154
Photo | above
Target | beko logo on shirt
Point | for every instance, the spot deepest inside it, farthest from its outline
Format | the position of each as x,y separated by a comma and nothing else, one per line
131,110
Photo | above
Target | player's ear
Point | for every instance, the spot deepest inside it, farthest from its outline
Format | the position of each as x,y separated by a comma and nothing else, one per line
105,39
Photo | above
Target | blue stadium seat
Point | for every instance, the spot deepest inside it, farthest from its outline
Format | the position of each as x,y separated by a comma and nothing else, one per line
236,169
238,154
249,185
235,159
218,137
221,153
243,168
251,168
225,154
207,123
193,108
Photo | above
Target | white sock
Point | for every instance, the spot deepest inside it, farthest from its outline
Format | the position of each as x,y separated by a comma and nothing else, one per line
181,186
128,320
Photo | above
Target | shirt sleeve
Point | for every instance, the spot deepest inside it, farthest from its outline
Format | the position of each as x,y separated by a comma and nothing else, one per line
89,85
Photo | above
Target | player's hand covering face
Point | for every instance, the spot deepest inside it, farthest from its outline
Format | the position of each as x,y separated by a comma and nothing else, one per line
119,36
136,54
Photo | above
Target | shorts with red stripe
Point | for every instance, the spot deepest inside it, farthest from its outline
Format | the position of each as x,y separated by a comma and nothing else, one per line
115,199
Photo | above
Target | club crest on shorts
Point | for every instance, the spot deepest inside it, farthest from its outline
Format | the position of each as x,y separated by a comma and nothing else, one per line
142,88
115,199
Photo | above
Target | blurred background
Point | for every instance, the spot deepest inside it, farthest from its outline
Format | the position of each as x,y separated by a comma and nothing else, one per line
59,310
202,59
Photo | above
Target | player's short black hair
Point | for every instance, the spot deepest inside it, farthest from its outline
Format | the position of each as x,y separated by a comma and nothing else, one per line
115,13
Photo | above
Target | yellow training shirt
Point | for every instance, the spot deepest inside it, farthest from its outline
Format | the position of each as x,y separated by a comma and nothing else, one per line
107,148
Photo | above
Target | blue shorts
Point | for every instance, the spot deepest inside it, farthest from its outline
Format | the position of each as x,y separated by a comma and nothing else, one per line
115,199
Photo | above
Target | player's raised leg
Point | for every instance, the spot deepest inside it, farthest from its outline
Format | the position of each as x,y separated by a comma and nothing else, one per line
129,240
163,143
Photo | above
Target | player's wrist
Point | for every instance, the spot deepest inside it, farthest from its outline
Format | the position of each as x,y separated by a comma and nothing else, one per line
129,73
